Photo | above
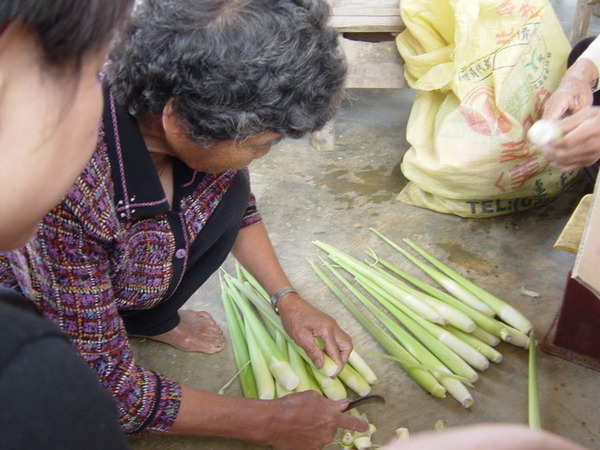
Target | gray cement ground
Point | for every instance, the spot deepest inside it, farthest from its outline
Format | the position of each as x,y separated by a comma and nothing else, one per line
305,195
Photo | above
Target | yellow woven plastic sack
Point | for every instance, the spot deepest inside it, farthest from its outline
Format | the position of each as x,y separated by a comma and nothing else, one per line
482,70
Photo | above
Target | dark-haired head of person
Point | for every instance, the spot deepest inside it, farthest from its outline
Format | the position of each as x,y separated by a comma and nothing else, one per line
50,101
229,70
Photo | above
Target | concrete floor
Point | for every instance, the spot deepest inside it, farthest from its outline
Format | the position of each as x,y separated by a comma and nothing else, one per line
305,195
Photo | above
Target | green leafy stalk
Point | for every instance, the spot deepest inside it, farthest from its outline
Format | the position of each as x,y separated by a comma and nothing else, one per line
444,280
506,312
224,388
419,366
486,350
534,403
243,274
239,346
277,362
329,366
451,315
433,336
422,354
482,320
265,384
357,267
307,380
254,291
425,379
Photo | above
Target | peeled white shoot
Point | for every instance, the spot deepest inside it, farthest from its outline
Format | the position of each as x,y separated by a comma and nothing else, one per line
543,132
332,388
402,433
361,366
486,336
335,391
468,353
347,439
281,391
518,338
440,425
322,380
362,440
363,443
486,350
488,329
354,380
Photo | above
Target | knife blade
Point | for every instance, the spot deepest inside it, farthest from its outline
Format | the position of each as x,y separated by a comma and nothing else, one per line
372,398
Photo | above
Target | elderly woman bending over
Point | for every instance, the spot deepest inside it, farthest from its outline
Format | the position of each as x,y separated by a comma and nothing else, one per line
196,92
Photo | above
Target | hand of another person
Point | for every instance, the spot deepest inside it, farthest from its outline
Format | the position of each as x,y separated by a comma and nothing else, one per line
573,93
309,421
580,145
488,436
303,322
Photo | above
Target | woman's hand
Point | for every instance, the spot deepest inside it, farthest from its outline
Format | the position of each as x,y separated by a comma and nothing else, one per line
304,420
309,421
580,145
574,91
303,322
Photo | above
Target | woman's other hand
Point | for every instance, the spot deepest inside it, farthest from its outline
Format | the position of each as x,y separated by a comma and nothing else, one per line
309,421
303,322
580,144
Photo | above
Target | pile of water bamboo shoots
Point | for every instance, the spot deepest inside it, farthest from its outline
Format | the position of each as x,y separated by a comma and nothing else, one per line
443,336
270,364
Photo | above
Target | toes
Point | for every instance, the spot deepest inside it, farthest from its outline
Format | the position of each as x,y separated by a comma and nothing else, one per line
212,347
217,348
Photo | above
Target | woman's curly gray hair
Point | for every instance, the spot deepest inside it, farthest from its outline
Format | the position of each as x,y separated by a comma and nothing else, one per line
232,67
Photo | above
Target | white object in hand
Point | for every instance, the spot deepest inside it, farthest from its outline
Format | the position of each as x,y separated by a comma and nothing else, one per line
543,132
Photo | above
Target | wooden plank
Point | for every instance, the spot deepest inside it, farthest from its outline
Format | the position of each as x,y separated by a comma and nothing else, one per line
324,139
365,11
357,24
373,4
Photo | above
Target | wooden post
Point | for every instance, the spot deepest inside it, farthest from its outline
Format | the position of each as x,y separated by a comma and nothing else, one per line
581,20
324,139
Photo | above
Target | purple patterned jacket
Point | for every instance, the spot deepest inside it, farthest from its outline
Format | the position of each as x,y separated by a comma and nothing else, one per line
112,245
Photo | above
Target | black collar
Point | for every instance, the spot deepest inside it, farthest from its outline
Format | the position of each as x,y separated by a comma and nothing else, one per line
138,191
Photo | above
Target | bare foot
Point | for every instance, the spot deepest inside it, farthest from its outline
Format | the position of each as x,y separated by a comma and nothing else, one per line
196,332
